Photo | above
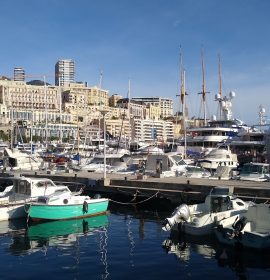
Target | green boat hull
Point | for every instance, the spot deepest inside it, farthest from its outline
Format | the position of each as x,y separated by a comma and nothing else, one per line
63,212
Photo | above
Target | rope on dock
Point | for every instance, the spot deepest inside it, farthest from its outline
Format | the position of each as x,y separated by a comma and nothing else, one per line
135,203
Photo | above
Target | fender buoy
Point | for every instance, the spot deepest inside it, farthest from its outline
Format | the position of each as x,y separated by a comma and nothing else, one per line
85,207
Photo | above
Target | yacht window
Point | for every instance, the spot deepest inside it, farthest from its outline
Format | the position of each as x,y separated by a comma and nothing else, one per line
239,203
22,187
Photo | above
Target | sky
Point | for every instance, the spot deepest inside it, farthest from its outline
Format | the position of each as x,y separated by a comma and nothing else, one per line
140,40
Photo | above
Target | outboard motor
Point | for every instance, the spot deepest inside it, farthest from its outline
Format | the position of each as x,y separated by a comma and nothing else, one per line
181,213
239,225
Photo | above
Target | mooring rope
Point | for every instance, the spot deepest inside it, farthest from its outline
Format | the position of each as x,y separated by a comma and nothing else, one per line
135,203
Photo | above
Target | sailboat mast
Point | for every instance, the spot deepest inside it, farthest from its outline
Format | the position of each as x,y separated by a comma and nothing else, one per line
129,109
46,112
182,95
99,108
32,119
184,114
220,86
12,123
203,88
78,132
60,111
183,100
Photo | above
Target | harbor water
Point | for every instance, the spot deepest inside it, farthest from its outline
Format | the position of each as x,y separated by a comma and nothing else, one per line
125,244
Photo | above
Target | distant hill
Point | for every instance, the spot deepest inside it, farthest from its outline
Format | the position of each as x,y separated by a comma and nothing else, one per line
37,83
4,78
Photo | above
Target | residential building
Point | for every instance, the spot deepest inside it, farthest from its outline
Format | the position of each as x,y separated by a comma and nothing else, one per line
20,96
119,127
64,72
114,99
165,104
19,74
151,130
97,96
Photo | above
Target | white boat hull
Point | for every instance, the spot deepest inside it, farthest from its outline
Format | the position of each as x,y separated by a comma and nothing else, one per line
246,239
206,224
10,212
251,229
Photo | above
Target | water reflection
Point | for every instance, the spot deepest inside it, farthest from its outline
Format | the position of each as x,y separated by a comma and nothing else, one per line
38,237
239,261
127,246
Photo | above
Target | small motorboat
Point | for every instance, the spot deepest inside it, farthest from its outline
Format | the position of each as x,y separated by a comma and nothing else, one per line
21,191
64,205
200,219
254,171
250,229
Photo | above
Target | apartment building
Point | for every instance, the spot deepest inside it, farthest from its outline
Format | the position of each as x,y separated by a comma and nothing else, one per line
19,74
19,95
97,96
114,99
151,130
118,127
165,104
64,72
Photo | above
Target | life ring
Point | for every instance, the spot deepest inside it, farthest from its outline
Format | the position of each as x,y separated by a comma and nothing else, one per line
85,207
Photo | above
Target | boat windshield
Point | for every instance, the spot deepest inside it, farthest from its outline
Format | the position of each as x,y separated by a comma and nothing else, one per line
60,191
220,191
194,169
178,159
45,183
254,169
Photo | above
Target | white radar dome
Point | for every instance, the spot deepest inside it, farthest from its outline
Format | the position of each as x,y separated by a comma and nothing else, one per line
232,94
214,117
263,110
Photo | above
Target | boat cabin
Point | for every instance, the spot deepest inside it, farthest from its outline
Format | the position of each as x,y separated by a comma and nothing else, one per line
30,187
255,172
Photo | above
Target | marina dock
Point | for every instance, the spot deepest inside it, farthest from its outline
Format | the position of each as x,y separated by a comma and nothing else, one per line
174,189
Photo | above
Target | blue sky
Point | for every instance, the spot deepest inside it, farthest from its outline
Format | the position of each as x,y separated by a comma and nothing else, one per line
140,40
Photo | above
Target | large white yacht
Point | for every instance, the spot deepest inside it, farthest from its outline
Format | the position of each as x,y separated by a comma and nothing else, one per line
224,129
